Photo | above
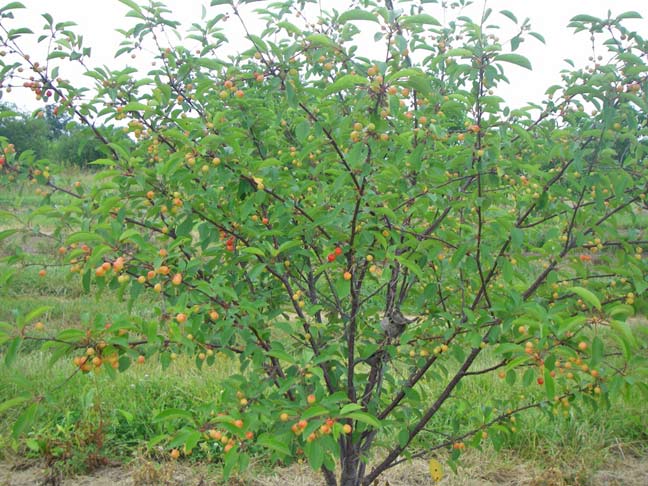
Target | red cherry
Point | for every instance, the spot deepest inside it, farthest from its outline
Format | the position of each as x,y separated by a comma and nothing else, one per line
331,257
540,381
338,251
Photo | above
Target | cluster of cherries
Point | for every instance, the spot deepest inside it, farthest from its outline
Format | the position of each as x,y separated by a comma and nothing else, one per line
336,253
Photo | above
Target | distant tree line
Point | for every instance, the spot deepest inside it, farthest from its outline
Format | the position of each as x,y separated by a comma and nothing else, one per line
49,135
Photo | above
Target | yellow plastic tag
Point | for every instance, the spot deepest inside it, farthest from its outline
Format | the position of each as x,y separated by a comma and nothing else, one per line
436,470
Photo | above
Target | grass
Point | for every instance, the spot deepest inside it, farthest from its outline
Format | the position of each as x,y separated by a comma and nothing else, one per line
125,405
580,436
84,417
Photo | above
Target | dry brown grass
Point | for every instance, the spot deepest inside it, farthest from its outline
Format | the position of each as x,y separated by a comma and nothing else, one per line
478,469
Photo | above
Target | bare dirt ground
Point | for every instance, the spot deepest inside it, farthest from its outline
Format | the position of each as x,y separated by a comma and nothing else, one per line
477,470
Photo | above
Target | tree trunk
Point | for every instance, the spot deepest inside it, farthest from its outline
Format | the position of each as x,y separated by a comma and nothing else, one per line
329,476
350,462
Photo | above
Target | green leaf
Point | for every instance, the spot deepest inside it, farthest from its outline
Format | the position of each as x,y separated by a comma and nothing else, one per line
598,350
128,234
13,402
15,33
12,351
230,461
345,82
514,363
403,437
7,114
251,250
71,335
624,333
83,236
291,97
550,386
131,4
404,73
127,415
321,40
587,296
287,245
621,309
357,155
584,18
516,59
220,2
540,37
270,442
301,130
258,43
419,83
156,440
350,407
411,266
25,420
357,14
629,15
517,238
459,52
511,376
288,27
7,233
57,55
419,19
528,377
506,348
34,445
510,15
365,418
630,58
173,413
186,437
135,106
314,411
282,355
315,454
37,313
11,6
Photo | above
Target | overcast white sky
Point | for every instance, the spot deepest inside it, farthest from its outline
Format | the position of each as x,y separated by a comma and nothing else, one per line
98,19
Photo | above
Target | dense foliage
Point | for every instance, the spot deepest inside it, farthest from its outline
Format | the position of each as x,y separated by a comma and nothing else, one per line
364,235
49,136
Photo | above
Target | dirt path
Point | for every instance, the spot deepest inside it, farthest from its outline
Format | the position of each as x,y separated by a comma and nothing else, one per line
476,471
